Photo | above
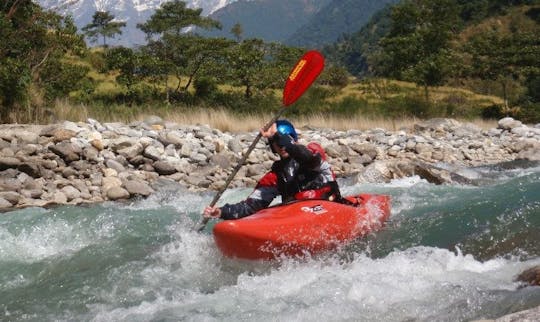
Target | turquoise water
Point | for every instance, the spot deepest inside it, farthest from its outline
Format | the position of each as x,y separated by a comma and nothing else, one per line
449,253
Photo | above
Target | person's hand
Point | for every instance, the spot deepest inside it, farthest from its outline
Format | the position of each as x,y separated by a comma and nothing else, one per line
270,132
212,212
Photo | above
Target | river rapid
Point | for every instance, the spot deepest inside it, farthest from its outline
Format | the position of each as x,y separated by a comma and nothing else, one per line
448,253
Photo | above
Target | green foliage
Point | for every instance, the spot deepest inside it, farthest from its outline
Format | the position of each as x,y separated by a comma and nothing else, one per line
34,44
237,31
177,53
103,25
417,47
492,112
125,60
411,106
529,113
14,81
356,51
59,79
334,76
205,87
246,62
434,42
172,17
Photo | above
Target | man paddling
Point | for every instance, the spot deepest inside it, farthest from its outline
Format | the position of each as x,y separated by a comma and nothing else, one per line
301,173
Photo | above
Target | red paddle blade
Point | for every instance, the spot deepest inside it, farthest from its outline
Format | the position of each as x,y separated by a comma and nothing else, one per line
302,76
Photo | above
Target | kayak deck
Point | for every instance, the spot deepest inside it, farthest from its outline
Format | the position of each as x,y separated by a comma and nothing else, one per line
302,227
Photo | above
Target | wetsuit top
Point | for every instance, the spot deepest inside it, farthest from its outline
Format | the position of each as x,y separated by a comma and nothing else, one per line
305,174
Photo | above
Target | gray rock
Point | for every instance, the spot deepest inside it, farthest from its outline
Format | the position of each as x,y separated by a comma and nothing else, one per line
153,152
113,164
365,149
235,146
220,160
71,192
32,194
530,315
59,198
138,188
4,204
153,120
9,163
509,123
91,154
32,169
67,151
11,196
131,151
530,276
117,193
164,168
175,137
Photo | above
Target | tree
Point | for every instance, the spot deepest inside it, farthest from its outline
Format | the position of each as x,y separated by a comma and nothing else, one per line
173,17
126,61
504,58
246,62
103,25
417,47
237,31
182,53
33,41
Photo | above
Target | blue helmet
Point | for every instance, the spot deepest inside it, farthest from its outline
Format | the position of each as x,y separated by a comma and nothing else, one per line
285,127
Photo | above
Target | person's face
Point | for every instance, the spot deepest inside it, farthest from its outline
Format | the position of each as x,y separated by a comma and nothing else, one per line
280,150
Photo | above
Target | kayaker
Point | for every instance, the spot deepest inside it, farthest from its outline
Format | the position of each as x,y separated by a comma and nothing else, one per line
302,172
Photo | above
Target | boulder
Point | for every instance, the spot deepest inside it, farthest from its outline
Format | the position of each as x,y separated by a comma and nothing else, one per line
67,151
164,168
138,188
117,193
530,276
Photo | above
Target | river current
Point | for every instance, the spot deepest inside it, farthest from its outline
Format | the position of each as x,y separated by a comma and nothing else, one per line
448,253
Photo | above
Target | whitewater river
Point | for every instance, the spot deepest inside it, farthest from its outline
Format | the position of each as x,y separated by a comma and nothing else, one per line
449,253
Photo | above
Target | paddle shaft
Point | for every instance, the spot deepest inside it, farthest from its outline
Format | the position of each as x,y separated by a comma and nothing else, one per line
202,224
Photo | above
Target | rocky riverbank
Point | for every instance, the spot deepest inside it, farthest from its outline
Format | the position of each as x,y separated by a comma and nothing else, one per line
90,162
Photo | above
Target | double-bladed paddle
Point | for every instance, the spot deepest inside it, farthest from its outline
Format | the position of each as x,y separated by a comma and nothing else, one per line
300,78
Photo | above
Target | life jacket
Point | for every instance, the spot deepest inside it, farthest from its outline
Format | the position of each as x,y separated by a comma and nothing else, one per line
328,190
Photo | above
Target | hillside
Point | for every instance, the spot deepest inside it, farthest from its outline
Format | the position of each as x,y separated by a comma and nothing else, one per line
270,20
489,47
354,49
337,18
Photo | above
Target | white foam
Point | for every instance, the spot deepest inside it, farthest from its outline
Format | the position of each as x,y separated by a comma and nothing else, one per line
418,283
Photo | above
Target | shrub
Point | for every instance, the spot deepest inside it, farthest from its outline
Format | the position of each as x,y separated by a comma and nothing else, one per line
492,112
529,113
205,87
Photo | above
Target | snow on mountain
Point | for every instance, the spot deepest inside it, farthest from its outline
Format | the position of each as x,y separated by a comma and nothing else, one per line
130,11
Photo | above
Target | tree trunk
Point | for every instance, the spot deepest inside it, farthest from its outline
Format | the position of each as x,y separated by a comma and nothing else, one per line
505,98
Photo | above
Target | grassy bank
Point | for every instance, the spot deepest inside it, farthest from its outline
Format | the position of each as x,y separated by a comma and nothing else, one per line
362,104
225,120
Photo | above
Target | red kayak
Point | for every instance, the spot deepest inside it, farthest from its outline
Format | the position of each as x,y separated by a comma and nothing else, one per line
302,227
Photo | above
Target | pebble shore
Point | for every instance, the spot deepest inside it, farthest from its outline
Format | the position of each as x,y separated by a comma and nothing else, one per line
91,162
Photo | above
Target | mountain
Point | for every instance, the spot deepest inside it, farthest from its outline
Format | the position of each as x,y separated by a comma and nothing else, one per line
337,18
270,20
304,23
130,11
352,50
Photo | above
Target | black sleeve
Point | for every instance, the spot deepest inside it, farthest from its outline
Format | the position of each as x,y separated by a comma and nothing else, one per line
243,208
